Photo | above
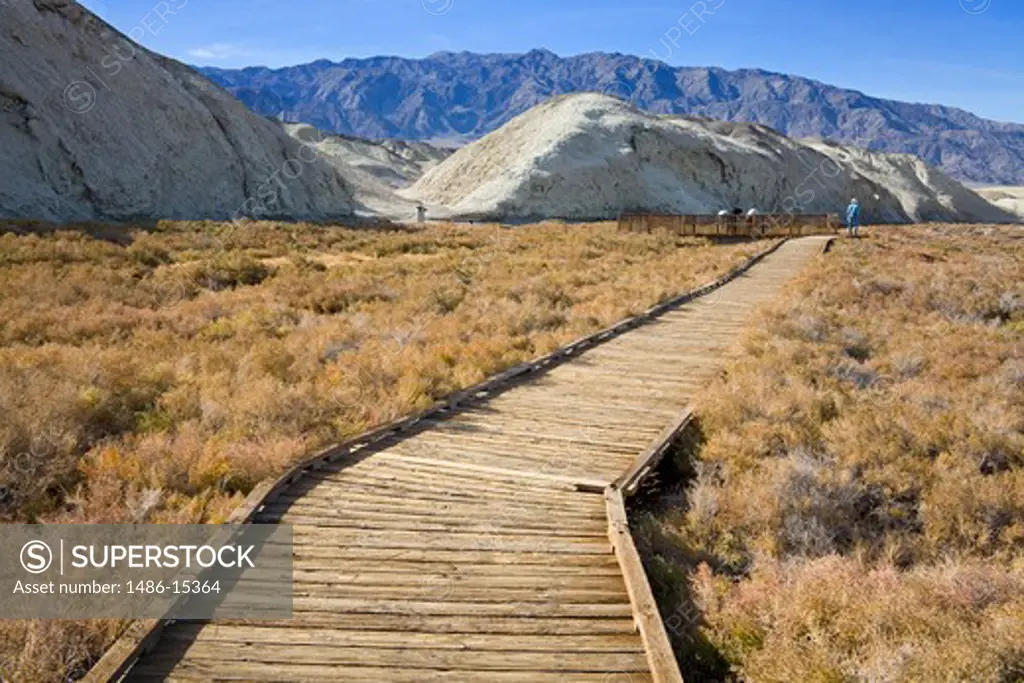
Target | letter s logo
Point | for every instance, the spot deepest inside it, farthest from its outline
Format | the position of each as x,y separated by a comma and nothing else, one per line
36,557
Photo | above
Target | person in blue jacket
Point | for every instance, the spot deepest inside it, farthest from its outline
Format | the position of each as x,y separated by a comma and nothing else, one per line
853,218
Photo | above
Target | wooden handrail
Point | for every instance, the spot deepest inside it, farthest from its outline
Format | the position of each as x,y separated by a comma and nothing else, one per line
731,225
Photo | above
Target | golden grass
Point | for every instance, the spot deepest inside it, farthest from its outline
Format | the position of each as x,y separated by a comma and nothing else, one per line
158,375
856,506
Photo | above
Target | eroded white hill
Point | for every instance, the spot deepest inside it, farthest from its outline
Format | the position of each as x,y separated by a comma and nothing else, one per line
374,169
593,156
1008,198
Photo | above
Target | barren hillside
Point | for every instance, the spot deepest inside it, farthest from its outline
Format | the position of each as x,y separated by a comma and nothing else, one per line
594,156
374,168
93,126
1007,198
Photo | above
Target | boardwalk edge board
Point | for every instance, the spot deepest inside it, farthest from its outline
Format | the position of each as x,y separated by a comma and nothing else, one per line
660,655
649,459
142,635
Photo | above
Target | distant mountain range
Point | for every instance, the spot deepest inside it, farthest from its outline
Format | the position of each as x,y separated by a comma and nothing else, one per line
463,96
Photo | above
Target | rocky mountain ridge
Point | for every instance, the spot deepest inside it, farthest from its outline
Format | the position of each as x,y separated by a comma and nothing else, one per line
463,96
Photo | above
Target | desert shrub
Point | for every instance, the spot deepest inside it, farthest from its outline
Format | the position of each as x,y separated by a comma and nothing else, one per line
228,271
836,619
856,509
158,375
148,251
338,296
30,655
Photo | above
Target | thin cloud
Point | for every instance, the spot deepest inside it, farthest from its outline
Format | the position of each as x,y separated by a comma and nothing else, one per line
235,54
217,51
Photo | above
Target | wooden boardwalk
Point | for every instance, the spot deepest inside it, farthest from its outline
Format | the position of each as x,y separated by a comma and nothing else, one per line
730,225
477,548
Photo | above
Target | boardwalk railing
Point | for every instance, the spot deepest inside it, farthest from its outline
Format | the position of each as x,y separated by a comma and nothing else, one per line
706,225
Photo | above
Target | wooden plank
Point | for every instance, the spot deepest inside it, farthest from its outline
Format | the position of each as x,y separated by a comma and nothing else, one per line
569,590
576,481
393,540
578,467
339,493
504,482
566,662
354,538
422,488
664,668
397,500
402,626
454,608
479,554
302,673
439,587
509,527
456,511
458,577
649,459
395,469
468,570
414,641
479,430
536,513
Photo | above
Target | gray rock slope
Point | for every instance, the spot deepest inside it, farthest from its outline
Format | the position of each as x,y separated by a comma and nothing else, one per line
92,126
374,169
465,96
591,156
395,163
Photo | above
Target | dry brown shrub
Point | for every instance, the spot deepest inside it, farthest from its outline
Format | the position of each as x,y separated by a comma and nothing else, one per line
858,508
158,374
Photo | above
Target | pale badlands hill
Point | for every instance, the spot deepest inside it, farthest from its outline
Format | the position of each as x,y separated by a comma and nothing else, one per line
392,162
374,170
1007,198
93,126
593,156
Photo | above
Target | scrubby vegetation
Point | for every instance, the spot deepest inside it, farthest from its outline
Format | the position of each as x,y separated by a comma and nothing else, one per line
855,503
157,375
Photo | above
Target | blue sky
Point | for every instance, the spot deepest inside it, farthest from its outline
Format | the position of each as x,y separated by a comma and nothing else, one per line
965,53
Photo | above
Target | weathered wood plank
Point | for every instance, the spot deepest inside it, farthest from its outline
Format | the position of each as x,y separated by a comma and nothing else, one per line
301,673
567,662
590,530
621,642
663,666
404,625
